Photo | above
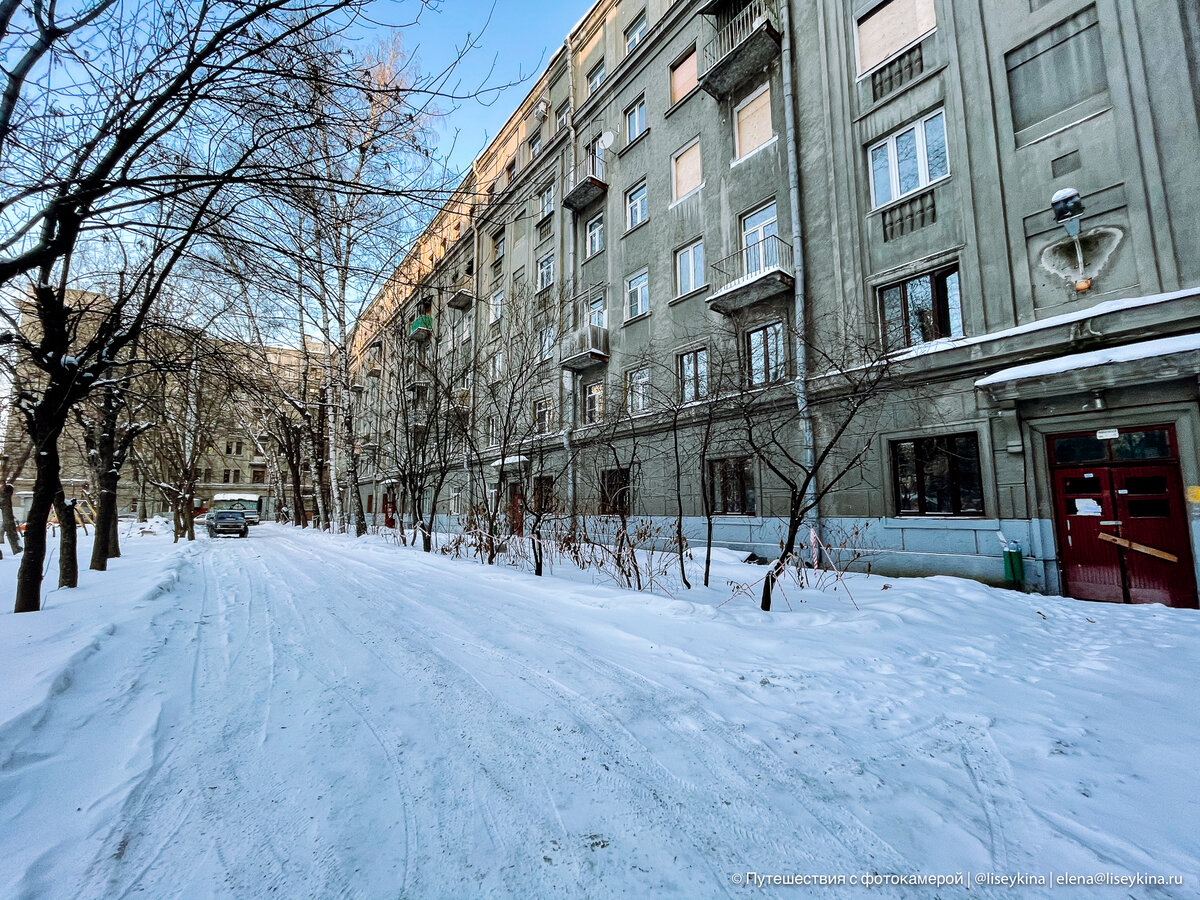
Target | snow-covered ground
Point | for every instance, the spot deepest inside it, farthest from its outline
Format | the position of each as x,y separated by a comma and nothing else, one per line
299,715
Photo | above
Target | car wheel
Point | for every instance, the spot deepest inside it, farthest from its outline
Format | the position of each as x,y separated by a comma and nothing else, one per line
246,532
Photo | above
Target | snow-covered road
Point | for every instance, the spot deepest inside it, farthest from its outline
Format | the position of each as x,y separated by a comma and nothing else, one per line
303,716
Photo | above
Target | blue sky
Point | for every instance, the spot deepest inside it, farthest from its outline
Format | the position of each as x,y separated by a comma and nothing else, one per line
518,39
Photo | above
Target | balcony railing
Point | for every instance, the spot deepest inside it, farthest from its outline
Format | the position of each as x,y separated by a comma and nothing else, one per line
756,272
585,184
742,48
585,347
421,328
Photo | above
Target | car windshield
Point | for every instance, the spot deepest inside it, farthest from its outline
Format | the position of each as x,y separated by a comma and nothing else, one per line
229,515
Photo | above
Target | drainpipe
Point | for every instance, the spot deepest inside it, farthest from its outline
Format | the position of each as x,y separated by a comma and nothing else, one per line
799,325
476,340
572,378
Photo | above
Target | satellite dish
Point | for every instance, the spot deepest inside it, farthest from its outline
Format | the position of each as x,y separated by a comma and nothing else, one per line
606,140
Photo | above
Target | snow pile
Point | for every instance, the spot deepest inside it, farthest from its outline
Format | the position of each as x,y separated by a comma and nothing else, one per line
301,715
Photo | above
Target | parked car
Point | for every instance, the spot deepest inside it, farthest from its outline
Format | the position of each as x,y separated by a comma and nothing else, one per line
226,521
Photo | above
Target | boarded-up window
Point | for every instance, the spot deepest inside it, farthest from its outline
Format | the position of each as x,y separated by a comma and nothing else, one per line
890,27
687,170
683,76
754,123
1058,69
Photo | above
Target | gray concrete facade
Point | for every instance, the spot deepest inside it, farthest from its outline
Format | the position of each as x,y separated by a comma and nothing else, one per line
925,168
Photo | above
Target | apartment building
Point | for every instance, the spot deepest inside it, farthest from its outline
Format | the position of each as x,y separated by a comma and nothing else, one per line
994,208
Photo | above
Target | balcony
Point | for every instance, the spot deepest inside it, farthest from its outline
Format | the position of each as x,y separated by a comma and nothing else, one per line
743,47
585,184
462,294
585,347
460,401
421,328
418,415
757,272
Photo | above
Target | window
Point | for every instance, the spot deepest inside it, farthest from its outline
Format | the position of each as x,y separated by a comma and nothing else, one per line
535,145
909,160
637,294
546,201
635,206
237,449
510,173
543,494
765,353
547,337
207,479
597,311
683,76
595,78
921,309
938,476
1058,69
731,487
616,492
229,448
563,117
635,121
637,390
543,415
237,476
496,366
693,375
689,268
545,271
498,246
890,28
225,478
760,248
493,431
635,32
497,305
259,476
593,403
685,171
752,123
595,236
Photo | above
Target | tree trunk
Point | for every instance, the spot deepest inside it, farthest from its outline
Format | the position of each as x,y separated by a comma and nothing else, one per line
45,486
68,561
141,498
9,522
106,512
789,546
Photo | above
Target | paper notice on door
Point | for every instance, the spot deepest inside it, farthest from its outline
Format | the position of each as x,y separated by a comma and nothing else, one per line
1086,506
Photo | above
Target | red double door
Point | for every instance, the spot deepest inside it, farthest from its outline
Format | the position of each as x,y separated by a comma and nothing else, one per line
1121,519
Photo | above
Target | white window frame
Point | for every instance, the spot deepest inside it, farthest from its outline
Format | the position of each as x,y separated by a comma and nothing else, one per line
917,126
597,304
545,271
496,366
639,107
498,246
737,150
594,241
496,303
545,201
543,415
641,290
593,412
595,77
535,145
562,117
547,338
690,252
674,160
637,390
643,206
636,32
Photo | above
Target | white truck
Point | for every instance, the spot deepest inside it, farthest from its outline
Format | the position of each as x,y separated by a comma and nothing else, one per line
247,504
